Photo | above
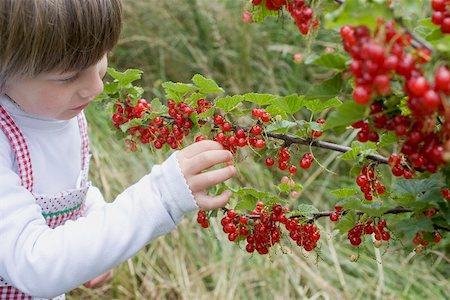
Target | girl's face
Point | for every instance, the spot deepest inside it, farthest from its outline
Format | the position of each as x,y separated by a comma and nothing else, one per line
58,95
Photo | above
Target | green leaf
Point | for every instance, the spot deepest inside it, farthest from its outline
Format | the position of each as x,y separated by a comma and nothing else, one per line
285,187
414,187
327,89
346,114
329,60
282,126
229,103
410,226
346,222
289,104
317,106
249,197
344,192
387,138
375,208
260,99
359,149
358,12
305,210
125,78
158,108
206,85
177,91
246,203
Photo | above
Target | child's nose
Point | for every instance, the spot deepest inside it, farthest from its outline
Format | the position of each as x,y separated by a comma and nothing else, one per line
92,86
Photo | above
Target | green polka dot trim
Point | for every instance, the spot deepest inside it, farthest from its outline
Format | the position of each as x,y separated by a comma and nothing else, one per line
62,212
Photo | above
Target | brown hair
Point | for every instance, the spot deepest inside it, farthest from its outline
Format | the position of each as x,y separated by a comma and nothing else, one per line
46,35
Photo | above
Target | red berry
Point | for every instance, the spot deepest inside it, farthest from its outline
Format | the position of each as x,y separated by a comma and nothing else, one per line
334,217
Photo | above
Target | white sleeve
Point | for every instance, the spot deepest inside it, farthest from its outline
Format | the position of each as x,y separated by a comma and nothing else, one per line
94,200
46,262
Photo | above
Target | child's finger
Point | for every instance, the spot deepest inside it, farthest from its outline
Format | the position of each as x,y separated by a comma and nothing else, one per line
206,160
99,281
199,147
206,201
205,180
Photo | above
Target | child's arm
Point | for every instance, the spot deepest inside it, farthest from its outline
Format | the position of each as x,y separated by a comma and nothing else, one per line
47,262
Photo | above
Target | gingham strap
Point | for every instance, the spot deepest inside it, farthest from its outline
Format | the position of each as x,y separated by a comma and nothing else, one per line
11,293
20,148
82,124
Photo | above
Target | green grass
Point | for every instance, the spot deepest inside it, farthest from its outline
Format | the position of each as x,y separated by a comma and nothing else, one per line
173,40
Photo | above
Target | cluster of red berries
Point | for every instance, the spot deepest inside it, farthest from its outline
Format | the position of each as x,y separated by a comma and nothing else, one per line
365,133
369,184
159,130
261,228
231,137
376,59
283,161
441,14
424,238
301,12
398,168
354,235
446,193
202,218
125,111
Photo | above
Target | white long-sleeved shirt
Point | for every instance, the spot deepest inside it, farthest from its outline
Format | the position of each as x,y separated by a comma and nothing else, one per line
46,262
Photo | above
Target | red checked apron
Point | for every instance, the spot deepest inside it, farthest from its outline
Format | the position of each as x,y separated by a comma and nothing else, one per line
56,209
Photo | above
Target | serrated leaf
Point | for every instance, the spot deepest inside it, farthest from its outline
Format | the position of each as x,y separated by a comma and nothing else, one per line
289,104
285,187
134,122
177,91
346,222
344,192
317,106
327,89
206,85
346,114
387,138
375,209
355,12
260,99
329,60
359,149
414,187
156,105
111,87
126,77
246,203
305,210
192,99
410,226
274,110
229,103
282,126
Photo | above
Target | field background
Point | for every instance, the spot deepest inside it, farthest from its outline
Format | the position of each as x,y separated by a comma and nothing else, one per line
173,40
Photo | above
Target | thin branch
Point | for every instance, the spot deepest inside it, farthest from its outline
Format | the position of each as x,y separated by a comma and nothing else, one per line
393,211
289,139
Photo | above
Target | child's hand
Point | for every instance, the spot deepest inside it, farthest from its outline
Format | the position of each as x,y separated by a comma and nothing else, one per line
198,157
99,280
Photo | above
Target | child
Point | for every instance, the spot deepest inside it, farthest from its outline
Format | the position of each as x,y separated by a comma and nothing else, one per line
56,231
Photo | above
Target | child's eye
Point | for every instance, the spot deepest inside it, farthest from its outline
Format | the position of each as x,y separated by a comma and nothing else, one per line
69,79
